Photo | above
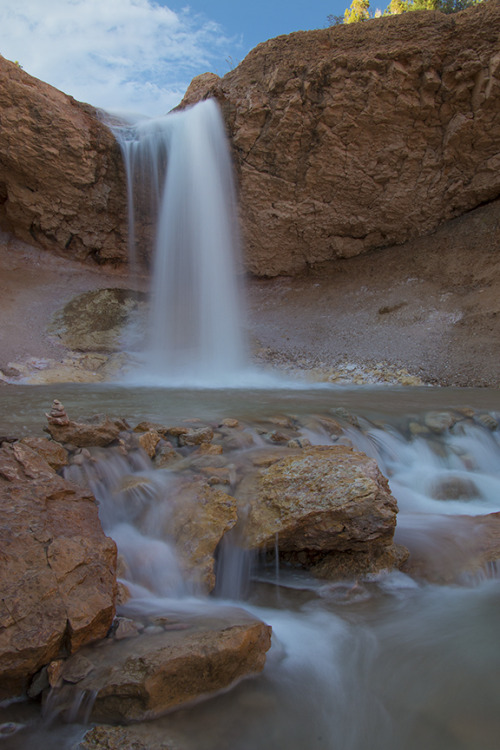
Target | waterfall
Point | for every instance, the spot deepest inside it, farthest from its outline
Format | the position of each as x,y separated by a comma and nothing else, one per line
180,189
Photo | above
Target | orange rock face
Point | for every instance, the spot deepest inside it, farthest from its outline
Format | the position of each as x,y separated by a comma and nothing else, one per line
362,136
57,569
62,184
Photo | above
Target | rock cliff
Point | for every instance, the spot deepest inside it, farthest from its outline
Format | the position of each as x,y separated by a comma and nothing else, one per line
62,184
345,140
363,136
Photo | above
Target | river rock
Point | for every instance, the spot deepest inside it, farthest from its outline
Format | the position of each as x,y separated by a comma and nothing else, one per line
62,181
57,569
144,677
454,549
54,453
361,136
325,500
200,517
104,737
98,431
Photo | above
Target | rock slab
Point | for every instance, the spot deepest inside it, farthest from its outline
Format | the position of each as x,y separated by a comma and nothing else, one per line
141,678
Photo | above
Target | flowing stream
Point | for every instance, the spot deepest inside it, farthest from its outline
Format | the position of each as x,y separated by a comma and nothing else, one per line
395,661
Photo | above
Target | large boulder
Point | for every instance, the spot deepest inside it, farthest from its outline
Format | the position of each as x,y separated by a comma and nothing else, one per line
362,136
169,664
328,509
57,568
62,181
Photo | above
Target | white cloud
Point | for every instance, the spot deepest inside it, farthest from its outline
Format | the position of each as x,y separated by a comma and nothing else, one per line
132,55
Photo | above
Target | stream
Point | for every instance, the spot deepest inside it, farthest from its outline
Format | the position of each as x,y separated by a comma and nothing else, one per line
391,662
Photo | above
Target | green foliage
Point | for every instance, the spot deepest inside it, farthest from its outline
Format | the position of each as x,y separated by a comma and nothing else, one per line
359,11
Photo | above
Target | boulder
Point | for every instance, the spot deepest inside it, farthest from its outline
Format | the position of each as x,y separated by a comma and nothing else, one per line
324,505
57,568
62,181
361,136
199,518
143,677
453,549
96,321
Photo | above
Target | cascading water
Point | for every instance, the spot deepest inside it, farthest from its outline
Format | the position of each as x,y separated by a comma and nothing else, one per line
179,169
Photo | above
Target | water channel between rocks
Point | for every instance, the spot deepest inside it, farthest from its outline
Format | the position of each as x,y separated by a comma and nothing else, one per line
388,662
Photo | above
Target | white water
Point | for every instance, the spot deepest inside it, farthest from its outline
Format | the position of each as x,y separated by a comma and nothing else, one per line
383,664
179,172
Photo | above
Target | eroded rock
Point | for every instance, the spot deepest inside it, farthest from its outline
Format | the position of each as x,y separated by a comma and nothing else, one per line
57,569
361,136
325,501
144,677
62,182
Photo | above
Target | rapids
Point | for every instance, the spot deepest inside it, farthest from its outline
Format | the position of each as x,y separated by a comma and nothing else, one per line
386,663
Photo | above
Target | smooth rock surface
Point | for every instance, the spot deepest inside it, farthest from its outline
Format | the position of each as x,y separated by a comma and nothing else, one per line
144,677
57,569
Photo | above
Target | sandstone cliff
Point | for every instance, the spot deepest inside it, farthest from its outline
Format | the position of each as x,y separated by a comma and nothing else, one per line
362,136
62,184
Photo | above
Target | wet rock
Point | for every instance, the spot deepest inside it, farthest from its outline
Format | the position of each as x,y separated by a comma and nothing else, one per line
200,517
440,421
98,431
165,454
123,738
455,488
459,549
143,678
57,570
153,426
488,421
196,437
231,423
323,500
209,449
125,628
148,442
299,443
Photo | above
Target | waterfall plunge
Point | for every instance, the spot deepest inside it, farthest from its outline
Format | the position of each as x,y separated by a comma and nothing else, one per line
181,162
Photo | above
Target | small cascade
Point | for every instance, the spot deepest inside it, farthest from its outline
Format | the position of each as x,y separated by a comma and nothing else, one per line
182,202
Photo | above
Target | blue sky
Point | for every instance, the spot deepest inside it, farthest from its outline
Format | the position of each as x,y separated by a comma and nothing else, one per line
139,55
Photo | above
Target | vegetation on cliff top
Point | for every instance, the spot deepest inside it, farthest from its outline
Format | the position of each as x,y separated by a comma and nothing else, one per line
359,10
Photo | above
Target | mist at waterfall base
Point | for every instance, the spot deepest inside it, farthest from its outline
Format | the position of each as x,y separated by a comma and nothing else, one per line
180,181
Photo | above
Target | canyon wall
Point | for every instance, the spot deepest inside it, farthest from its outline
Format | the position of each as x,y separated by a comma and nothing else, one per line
363,136
62,183
345,140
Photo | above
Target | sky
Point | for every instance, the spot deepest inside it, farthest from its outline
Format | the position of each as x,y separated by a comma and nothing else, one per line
140,55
